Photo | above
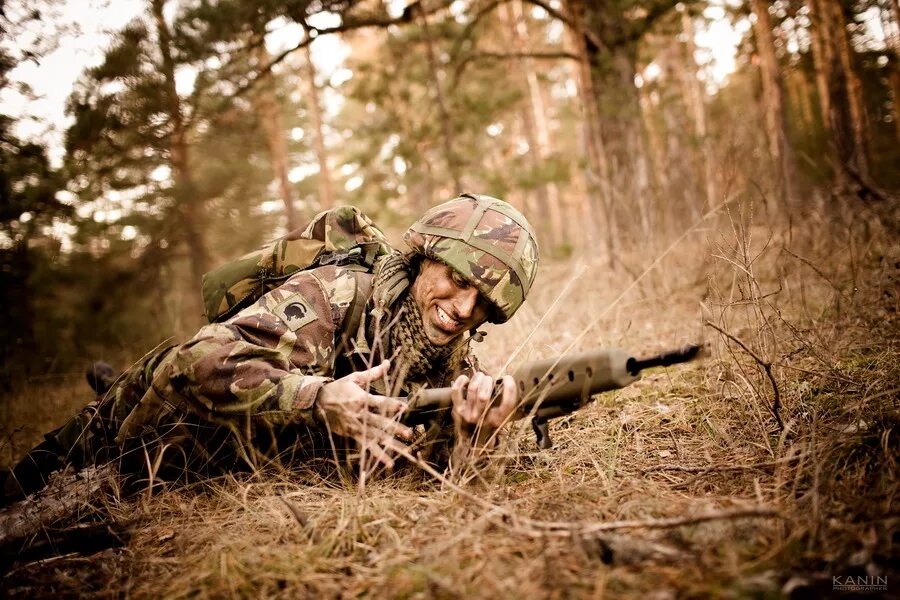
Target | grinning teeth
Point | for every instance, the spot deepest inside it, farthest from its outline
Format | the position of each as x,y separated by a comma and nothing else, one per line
445,318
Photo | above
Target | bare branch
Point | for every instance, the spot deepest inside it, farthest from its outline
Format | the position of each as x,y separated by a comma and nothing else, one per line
712,468
564,529
348,24
553,12
476,18
654,13
512,55
766,367
568,21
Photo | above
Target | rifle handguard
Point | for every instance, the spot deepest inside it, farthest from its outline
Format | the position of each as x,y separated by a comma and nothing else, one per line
555,387
552,387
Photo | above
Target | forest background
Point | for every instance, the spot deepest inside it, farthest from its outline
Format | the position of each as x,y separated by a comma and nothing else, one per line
595,119
194,141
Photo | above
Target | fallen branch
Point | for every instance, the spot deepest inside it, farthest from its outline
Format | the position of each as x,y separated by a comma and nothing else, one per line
621,550
536,528
564,529
711,468
66,497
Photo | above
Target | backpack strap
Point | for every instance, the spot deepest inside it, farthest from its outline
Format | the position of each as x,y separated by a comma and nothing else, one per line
364,282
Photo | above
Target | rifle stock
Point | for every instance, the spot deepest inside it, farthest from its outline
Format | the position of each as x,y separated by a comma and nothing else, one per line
555,387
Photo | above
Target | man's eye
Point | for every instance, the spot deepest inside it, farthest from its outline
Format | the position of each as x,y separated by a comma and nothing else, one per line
460,281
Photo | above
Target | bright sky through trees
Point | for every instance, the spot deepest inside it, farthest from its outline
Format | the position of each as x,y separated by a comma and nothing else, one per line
94,20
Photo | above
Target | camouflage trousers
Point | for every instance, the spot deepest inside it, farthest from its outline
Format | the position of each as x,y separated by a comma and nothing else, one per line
156,440
166,446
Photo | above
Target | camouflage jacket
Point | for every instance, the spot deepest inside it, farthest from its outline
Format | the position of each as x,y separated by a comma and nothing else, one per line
237,387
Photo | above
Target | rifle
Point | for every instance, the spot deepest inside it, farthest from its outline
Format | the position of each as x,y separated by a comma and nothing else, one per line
555,387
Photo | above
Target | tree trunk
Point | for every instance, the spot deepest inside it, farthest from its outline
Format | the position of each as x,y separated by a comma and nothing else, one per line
267,108
599,187
773,101
620,113
325,184
798,87
652,108
827,84
840,91
674,145
823,58
890,18
695,97
859,123
420,177
609,35
446,125
534,121
189,201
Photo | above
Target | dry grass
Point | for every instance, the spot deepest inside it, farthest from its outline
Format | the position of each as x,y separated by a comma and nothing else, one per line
812,318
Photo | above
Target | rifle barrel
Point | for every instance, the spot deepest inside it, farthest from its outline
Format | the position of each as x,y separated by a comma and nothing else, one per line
550,383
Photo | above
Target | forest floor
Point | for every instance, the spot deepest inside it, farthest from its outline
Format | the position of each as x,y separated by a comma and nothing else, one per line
681,485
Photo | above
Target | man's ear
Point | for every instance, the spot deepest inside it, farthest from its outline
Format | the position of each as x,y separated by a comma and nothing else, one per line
415,264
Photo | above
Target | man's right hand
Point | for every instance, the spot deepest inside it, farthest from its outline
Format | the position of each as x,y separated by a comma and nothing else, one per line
348,409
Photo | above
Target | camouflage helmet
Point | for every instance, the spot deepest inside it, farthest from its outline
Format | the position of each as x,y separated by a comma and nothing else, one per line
485,240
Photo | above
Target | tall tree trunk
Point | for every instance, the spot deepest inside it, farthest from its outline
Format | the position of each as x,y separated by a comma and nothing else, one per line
890,18
614,73
828,86
534,121
674,145
419,177
859,122
894,83
600,199
843,105
267,108
655,124
189,202
446,125
799,92
325,184
773,101
609,35
695,97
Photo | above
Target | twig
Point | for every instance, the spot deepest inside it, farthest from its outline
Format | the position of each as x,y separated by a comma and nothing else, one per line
766,367
564,529
818,272
709,468
348,23
537,528
295,512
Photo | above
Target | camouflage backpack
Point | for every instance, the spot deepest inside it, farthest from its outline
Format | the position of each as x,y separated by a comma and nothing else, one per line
340,236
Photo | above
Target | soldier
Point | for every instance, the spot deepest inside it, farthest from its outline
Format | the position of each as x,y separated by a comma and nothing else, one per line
285,374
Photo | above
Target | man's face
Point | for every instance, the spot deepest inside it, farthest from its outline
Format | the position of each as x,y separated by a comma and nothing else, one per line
449,304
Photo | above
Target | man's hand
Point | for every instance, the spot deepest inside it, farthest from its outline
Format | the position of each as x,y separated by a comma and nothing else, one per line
472,407
349,410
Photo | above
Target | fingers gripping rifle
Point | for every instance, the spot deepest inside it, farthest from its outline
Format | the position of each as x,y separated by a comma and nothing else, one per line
555,387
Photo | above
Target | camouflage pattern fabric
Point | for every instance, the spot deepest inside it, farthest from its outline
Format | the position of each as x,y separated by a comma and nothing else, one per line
341,235
238,393
242,391
487,241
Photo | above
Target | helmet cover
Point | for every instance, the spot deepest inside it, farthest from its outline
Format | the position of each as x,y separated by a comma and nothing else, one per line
485,240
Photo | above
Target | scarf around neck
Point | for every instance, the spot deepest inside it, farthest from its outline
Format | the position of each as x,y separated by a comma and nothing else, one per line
417,359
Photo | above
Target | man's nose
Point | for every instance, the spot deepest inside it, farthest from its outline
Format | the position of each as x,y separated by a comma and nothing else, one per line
464,302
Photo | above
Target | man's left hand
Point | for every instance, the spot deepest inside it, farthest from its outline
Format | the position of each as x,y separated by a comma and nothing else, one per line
473,409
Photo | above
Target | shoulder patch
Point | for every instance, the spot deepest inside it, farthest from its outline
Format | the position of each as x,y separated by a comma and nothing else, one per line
296,311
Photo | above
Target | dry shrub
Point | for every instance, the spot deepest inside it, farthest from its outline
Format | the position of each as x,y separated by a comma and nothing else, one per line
813,317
